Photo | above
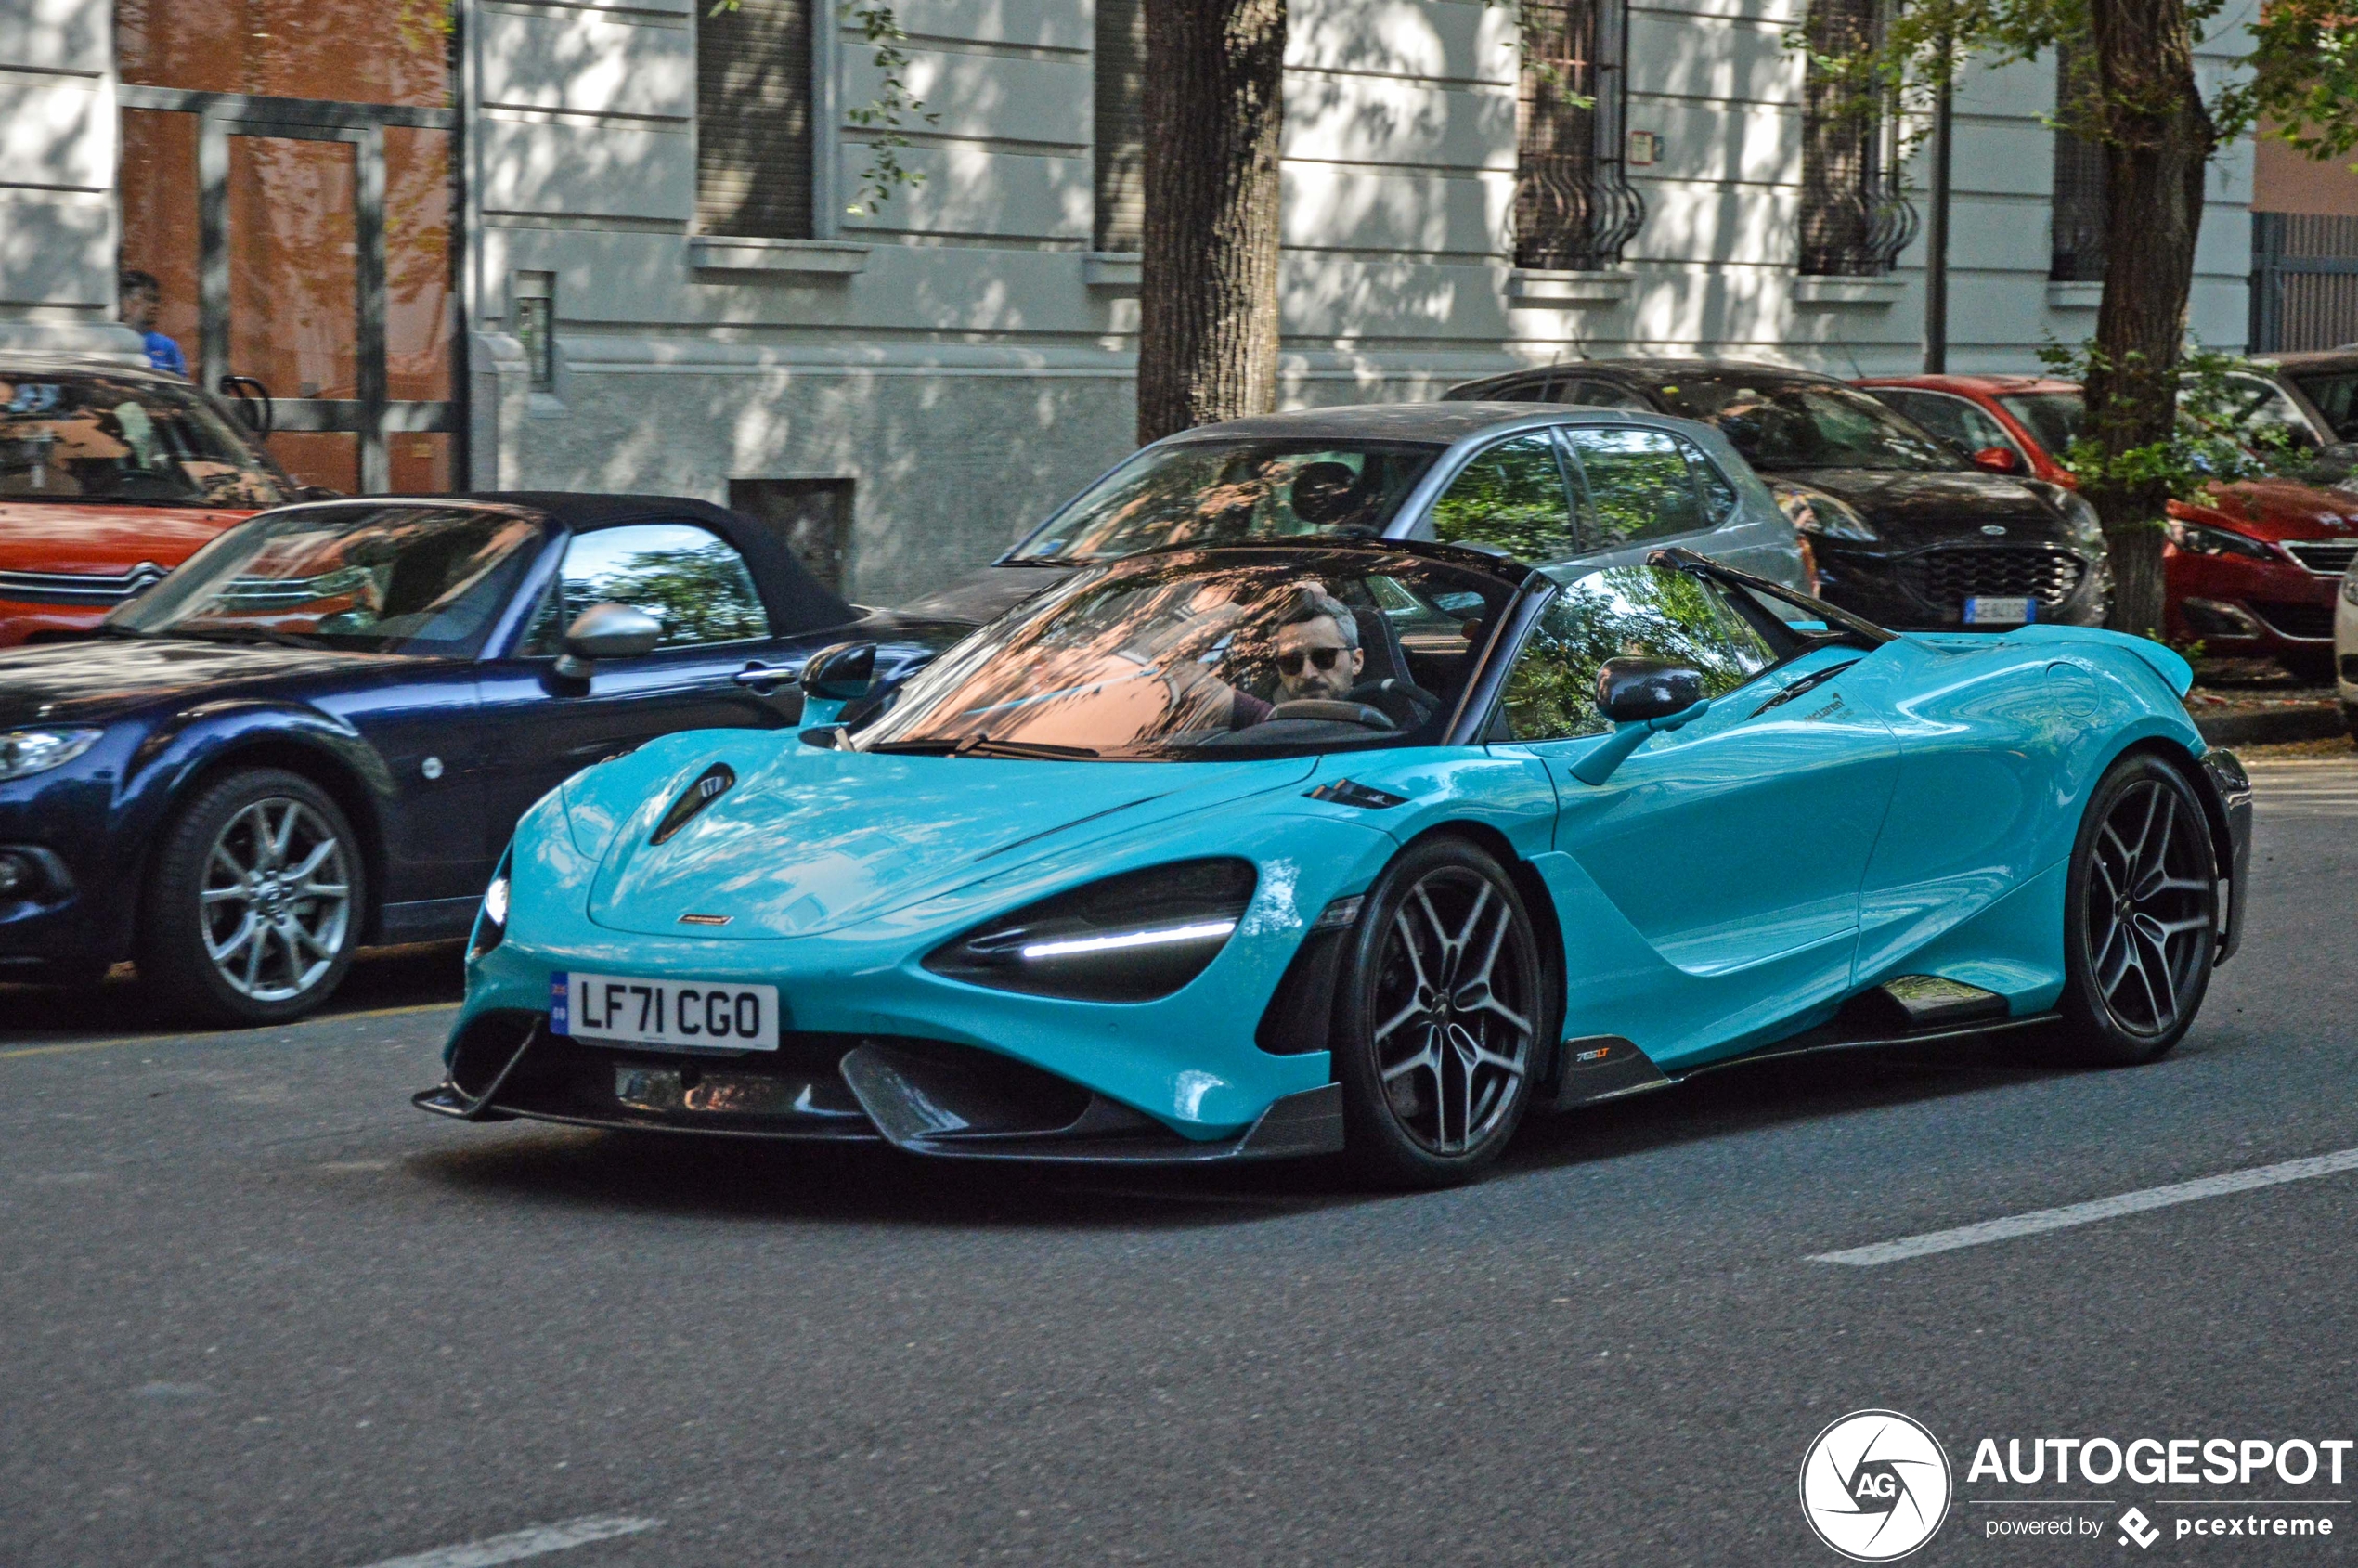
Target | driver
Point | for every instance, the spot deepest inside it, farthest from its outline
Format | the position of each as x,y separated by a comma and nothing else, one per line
1317,653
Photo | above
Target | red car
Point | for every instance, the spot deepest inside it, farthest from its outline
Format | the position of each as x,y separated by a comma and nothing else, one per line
110,476
2251,573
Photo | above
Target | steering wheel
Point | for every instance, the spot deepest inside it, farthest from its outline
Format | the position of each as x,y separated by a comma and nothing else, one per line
1406,704
1327,710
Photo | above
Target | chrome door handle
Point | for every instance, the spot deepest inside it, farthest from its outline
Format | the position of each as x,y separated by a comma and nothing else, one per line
762,675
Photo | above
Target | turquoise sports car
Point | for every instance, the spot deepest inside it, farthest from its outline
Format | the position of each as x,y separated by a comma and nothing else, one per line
1365,848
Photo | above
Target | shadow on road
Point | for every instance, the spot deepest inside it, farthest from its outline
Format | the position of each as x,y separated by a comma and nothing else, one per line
664,1174
423,973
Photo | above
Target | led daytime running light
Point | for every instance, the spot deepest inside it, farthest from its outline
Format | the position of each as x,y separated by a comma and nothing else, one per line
1201,931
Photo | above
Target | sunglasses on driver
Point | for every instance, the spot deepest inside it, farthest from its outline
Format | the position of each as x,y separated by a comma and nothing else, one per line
1291,662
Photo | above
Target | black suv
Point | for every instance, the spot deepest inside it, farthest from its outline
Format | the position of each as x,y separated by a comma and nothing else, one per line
1903,528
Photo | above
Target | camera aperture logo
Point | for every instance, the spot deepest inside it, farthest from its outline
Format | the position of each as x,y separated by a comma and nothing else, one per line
1875,1485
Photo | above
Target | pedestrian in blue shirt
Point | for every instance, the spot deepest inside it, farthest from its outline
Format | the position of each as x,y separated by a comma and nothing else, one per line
142,298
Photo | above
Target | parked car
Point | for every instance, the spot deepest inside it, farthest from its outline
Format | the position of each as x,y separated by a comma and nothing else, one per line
2346,648
1564,488
1901,530
2250,575
2313,396
110,476
319,730
1132,876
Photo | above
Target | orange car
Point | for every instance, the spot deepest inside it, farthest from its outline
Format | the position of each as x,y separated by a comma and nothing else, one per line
110,476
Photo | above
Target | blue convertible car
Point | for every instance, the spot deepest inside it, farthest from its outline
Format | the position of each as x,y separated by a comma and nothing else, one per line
1365,848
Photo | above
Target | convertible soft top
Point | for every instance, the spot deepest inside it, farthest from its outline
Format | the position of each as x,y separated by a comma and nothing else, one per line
796,601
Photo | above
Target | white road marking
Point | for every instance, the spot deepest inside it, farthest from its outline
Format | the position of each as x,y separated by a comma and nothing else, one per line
534,1542
2090,1213
2306,787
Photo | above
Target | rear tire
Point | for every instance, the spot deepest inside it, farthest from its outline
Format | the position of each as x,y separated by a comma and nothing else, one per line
1443,1018
253,906
2141,915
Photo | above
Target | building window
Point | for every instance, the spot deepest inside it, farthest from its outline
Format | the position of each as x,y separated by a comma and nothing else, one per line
2076,254
812,516
1122,138
1854,221
534,295
1573,207
754,120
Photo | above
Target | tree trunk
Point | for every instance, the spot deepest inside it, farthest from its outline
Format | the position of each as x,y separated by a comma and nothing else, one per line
2158,139
1208,285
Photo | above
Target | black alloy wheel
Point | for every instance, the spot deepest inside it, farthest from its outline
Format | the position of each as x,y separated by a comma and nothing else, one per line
1442,1020
254,903
2140,914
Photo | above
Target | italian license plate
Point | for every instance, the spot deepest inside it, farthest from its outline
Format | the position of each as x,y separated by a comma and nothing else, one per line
2001,612
673,1015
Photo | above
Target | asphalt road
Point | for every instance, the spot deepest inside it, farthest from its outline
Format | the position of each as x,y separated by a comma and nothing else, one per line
254,1310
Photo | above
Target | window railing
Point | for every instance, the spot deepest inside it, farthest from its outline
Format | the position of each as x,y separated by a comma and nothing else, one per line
1575,208
1856,217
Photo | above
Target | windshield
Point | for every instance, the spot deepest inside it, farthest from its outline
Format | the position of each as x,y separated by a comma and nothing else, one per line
1784,426
91,436
1233,492
382,579
2336,395
1195,658
2054,418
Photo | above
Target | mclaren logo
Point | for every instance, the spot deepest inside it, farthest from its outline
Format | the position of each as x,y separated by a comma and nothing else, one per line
710,788
705,919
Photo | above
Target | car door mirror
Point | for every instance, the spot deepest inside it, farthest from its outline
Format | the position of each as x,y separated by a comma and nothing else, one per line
1636,690
1997,460
834,678
607,631
1644,697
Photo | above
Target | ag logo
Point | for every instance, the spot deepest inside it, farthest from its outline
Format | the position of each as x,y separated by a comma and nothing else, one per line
1874,1485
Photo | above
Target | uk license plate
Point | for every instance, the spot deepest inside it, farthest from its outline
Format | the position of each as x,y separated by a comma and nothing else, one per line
672,1014
1983,611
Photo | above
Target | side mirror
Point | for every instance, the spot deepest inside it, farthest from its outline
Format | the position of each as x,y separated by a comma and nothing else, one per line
1997,460
1644,697
607,631
1632,691
317,493
834,678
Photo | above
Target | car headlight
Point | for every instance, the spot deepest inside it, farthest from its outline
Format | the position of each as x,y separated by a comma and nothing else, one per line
491,921
2081,526
1132,938
26,752
2200,539
1816,512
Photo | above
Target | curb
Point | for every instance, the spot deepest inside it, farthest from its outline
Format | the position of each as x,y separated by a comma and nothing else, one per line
2272,727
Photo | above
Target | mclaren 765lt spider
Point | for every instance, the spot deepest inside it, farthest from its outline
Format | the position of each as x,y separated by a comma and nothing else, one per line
1358,847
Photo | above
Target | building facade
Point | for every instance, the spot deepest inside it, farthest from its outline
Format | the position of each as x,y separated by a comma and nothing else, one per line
579,243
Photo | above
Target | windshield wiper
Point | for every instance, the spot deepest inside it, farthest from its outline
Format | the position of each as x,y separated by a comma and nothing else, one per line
246,634
980,746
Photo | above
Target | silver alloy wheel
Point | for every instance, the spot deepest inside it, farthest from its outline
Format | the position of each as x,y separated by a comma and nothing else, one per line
2150,911
276,903
1458,1001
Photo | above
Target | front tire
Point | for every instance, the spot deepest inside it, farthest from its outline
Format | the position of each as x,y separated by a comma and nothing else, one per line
1442,1019
2141,917
254,907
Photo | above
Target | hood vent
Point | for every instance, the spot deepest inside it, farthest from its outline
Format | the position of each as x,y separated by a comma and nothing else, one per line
713,784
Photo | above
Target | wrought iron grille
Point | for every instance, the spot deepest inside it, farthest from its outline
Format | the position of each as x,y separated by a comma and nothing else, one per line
1574,208
2305,281
2077,252
1854,219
